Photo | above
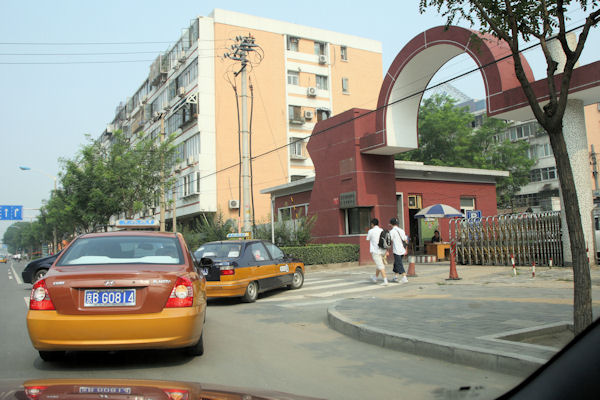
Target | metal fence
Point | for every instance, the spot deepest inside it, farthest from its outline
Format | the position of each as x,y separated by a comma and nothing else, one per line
528,237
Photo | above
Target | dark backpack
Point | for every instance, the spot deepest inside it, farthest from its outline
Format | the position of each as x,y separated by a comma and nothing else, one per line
385,240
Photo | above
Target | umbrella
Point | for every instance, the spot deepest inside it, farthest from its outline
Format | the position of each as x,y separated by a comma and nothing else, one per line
439,211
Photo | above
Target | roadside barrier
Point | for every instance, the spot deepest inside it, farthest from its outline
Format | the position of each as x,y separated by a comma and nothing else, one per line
518,239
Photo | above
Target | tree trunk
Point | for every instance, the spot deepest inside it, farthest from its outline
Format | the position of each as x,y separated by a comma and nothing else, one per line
582,291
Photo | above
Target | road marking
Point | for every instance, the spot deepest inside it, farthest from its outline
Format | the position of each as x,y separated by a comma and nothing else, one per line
353,290
313,281
270,299
309,303
19,281
346,283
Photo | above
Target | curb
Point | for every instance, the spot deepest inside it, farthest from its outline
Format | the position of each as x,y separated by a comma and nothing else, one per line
508,363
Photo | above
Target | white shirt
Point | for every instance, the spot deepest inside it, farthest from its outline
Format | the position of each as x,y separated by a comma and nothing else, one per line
398,235
373,237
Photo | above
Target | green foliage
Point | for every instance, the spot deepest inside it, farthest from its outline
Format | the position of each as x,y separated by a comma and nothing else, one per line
295,232
315,254
207,228
447,138
23,236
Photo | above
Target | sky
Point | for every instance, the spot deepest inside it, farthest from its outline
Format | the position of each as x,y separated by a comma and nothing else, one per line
48,109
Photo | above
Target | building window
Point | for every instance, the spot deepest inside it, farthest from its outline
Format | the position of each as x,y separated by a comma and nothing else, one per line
542,174
191,184
467,204
345,87
344,53
322,82
192,146
292,212
320,48
322,114
292,43
296,147
295,113
358,220
293,78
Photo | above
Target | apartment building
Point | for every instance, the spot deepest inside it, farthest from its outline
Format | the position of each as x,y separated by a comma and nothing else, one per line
300,75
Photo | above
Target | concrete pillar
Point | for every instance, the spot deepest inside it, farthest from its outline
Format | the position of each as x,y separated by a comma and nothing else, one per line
575,135
577,146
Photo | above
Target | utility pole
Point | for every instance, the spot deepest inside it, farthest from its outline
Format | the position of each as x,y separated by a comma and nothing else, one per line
240,50
163,202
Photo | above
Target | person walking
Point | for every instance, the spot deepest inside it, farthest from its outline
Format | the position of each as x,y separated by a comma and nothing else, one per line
377,253
399,239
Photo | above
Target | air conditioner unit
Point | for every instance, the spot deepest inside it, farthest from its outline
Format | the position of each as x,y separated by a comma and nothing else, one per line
190,160
322,59
234,204
311,91
181,56
308,114
155,115
144,99
181,91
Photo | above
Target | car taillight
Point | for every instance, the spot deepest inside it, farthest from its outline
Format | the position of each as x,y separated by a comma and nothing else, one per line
175,394
40,299
182,294
227,270
34,392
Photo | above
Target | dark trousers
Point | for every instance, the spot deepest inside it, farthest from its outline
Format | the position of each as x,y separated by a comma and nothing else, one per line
398,266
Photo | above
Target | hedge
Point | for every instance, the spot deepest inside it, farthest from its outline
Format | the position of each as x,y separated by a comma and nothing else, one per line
315,254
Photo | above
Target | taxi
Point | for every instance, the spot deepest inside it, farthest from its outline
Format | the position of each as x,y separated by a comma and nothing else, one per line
245,268
119,290
3,258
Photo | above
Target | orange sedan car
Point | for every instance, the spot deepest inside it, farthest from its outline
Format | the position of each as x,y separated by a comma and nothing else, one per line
119,291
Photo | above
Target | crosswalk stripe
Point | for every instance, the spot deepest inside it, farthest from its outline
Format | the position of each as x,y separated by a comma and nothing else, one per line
270,299
346,283
352,290
313,281
308,303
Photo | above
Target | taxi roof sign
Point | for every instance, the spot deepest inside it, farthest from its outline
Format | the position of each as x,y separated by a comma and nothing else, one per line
242,235
137,223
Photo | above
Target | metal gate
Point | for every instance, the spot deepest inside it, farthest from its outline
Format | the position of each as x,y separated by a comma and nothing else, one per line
528,237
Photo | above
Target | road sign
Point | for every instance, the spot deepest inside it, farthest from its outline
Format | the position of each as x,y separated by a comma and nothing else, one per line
473,214
11,213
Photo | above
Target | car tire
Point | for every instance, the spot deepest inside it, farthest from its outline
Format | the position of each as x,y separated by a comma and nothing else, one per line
198,348
39,274
251,293
297,280
51,355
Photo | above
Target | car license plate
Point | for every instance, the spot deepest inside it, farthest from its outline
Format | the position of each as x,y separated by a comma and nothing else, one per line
109,297
104,390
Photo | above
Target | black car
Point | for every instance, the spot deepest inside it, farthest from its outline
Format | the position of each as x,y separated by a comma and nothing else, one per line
38,268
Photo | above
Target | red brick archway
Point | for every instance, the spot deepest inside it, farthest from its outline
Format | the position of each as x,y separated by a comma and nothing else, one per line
412,70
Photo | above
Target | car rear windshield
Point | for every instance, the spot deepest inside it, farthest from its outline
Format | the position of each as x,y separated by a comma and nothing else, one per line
123,250
219,250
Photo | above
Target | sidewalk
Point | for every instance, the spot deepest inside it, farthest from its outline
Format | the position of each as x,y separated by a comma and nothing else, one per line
488,319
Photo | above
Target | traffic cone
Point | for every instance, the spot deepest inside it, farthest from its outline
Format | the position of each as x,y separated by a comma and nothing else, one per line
550,262
453,273
533,270
411,266
512,260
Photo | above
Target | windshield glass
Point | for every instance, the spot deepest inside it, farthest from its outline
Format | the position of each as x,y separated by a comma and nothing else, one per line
219,250
123,250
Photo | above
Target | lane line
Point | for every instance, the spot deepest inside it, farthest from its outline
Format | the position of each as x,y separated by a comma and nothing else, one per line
19,281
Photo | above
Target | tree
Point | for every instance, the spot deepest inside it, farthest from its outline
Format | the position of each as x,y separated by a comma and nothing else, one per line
118,178
512,20
447,138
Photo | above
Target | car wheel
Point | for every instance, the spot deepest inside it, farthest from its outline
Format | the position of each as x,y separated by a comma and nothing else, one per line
251,293
51,355
39,274
198,348
297,280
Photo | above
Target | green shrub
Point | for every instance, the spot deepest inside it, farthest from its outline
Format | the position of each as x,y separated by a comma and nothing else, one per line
315,254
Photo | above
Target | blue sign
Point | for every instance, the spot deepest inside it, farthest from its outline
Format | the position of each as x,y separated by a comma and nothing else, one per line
243,235
473,214
137,223
11,213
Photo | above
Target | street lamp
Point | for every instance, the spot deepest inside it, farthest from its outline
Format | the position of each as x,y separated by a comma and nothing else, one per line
24,168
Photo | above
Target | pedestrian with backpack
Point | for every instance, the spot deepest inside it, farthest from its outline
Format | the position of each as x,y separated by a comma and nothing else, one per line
399,244
377,239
